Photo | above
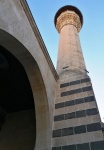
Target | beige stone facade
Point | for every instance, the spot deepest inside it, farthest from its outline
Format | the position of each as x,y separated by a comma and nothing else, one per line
77,123
19,35
74,106
41,108
70,55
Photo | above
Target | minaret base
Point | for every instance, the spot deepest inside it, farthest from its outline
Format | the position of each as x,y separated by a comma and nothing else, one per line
77,124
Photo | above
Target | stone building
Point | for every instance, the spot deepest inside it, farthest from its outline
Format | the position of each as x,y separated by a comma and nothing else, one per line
42,108
77,123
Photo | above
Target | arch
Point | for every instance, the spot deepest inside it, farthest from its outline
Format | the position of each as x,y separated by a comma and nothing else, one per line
17,117
36,82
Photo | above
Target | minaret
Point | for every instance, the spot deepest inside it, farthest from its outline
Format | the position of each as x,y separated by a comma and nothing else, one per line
68,21
77,123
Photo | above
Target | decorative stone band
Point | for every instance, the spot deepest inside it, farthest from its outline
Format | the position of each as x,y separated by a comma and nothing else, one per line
68,17
75,102
96,145
77,130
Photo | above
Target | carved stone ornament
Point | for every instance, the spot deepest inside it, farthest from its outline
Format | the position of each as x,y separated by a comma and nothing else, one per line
68,17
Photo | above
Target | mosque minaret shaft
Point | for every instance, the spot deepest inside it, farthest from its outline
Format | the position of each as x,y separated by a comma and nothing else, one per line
70,57
77,122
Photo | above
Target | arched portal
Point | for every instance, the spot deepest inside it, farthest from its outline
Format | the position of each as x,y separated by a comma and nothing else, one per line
34,93
17,113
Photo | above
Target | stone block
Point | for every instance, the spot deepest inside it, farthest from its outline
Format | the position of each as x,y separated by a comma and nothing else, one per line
69,147
80,129
59,105
57,133
67,131
92,111
70,115
84,146
80,114
93,127
59,117
97,145
56,148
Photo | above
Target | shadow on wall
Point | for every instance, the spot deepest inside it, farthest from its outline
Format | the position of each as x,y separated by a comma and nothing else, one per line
22,86
17,112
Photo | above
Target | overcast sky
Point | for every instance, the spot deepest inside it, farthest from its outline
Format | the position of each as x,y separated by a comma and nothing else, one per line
91,36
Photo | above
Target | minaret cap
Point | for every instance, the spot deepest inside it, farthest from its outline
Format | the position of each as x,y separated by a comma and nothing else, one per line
70,8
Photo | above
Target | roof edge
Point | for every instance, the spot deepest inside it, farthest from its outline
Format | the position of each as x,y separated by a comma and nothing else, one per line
39,37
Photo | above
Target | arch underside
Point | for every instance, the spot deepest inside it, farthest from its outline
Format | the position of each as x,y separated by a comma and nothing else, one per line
23,101
17,113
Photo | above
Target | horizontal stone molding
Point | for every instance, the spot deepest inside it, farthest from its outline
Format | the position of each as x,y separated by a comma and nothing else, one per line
75,91
74,82
68,17
77,130
74,102
97,145
77,114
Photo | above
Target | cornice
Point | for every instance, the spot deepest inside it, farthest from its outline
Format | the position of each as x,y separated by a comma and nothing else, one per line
71,8
68,17
39,37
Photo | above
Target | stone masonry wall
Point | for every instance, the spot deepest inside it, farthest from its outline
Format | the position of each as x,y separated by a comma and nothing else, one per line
77,124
